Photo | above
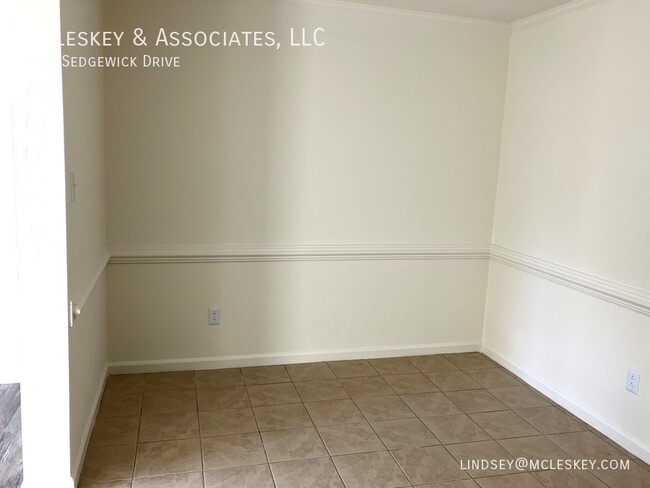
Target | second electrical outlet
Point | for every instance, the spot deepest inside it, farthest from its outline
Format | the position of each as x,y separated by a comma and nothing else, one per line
214,316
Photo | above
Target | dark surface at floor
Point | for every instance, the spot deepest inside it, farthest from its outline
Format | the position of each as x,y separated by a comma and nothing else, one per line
11,457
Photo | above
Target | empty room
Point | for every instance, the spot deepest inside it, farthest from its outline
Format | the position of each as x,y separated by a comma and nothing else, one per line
325,244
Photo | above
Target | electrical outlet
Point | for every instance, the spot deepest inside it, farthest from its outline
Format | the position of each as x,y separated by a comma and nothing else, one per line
214,316
633,378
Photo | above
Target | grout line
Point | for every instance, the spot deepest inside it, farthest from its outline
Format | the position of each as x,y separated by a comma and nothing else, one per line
382,377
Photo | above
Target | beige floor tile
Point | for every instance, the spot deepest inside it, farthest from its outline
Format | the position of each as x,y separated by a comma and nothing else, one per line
452,484
167,411
392,366
169,401
214,378
108,463
222,397
503,425
433,364
312,473
404,434
241,477
453,381
537,448
493,378
168,457
366,387
230,421
410,383
273,394
550,420
112,484
183,480
334,412
294,444
488,451
279,417
519,397
309,371
125,382
384,408
261,375
475,401
180,380
370,470
585,445
431,404
350,438
522,480
350,369
229,451
568,479
117,403
115,431
454,429
319,390
429,465
169,426
471,360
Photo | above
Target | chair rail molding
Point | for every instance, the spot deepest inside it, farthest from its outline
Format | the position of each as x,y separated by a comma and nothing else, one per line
605,289
300,252
79,294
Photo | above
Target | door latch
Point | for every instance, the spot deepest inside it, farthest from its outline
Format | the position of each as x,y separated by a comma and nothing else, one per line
73,313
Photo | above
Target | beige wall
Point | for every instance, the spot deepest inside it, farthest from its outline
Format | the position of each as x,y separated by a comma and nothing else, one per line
83,94
388,135
293,311
573,191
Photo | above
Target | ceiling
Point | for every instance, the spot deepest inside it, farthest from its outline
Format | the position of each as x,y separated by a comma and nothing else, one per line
497,10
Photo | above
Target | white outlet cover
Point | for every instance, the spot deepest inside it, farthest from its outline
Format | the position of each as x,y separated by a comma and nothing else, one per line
633,379
214,315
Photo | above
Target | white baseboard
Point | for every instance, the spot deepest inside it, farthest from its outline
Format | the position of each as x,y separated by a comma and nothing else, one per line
632,444
88,428
245,360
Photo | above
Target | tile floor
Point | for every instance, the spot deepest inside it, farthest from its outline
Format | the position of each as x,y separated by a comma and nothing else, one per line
381,423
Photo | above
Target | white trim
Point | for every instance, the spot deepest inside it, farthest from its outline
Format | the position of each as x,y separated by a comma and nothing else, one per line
81,294
88,428
605,289
305,252
403,12
245,360
632,444
551,14
611,291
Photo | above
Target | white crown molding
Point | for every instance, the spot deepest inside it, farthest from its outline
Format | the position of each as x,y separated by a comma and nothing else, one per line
611,291
80,294
418,14
306,252
551,14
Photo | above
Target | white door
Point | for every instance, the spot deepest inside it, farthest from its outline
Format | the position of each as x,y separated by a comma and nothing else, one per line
32,151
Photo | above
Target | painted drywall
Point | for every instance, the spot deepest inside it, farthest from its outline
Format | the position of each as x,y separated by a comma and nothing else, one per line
573,190
83,97
88,345
388,134
292,308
